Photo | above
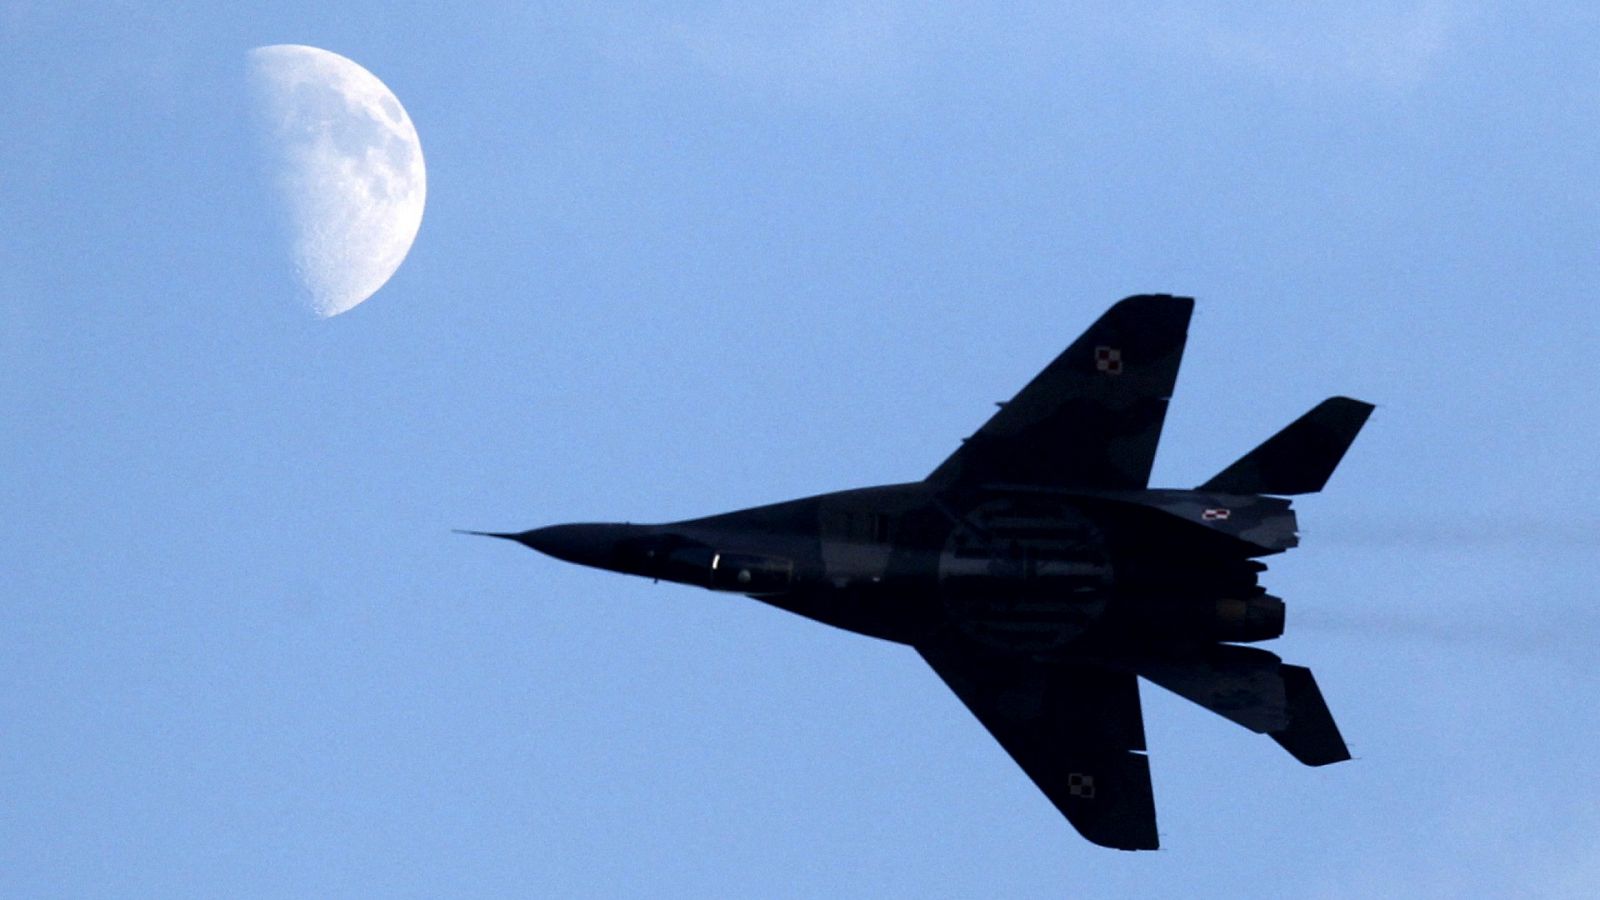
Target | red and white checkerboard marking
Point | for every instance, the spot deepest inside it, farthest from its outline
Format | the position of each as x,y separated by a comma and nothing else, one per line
1216,514
1108,360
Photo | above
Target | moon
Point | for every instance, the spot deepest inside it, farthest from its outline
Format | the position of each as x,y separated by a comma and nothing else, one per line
346,163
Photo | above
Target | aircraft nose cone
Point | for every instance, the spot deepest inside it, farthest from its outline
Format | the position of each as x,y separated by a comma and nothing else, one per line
584,544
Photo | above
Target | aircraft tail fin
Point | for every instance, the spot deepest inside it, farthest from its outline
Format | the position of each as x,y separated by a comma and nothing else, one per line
1298,459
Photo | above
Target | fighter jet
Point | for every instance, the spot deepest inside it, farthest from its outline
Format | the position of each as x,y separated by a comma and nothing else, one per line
1039,576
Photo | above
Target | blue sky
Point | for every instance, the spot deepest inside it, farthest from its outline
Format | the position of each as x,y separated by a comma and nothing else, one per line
681,259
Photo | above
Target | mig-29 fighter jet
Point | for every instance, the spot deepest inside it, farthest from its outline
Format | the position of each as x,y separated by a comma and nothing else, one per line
1040,577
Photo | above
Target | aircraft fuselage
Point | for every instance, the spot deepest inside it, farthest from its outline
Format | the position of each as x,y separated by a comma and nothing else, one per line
1017,569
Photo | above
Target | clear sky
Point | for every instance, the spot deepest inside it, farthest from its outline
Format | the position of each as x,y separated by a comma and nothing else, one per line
682,259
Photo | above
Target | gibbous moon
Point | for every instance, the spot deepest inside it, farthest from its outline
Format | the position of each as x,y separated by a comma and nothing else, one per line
347,165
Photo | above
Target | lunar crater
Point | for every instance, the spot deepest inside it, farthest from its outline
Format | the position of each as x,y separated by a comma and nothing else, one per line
346,165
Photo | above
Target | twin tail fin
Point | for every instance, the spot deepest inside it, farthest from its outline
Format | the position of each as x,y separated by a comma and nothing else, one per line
1298,459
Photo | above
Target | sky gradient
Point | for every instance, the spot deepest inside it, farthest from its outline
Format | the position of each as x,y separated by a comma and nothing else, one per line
682,259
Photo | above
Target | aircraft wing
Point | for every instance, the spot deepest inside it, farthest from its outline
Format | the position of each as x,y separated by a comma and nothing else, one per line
1076,730
1092,418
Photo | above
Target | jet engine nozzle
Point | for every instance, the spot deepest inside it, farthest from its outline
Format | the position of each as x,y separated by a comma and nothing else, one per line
1258,618
1235,620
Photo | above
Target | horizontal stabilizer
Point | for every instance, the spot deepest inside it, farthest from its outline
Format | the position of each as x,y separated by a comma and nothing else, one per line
1312,737
1298,459
1254,688
1240,684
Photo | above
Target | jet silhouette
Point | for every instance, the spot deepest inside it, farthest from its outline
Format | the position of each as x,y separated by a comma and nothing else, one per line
1040,577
